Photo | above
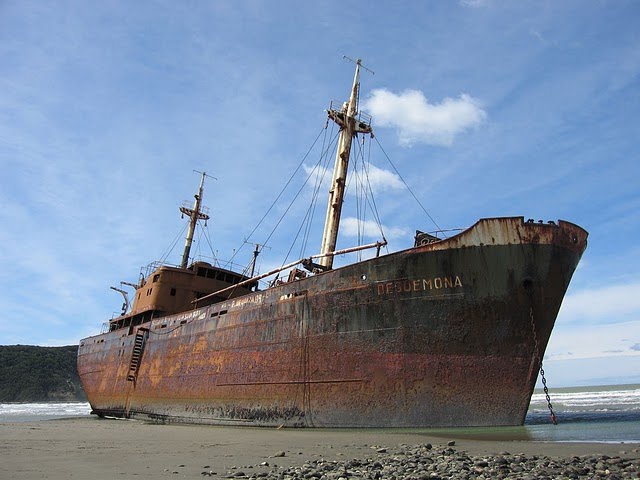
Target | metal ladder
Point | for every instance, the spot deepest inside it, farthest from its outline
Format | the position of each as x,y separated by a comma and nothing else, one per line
136,354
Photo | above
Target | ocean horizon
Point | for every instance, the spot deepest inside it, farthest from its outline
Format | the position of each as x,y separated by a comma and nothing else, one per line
603,413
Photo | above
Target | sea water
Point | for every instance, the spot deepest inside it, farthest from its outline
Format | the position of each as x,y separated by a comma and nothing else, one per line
587,414
29,412
584,414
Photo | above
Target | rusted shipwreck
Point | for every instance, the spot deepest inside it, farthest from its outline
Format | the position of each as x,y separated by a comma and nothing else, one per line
450,332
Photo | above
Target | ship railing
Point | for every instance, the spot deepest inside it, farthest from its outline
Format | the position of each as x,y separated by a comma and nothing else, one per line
445,231
107,326
377,245
189,206
228,265
153,266
364,117
336,105
361,117
425,238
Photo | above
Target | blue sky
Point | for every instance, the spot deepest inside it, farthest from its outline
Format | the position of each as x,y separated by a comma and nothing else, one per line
516,108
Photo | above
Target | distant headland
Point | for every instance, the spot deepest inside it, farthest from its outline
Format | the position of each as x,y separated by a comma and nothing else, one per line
39,374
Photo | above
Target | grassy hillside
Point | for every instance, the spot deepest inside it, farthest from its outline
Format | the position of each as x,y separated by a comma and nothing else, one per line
39,374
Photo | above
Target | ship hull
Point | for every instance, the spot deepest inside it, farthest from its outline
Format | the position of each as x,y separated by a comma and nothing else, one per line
445,334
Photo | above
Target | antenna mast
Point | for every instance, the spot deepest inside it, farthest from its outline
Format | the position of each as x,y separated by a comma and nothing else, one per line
194,215
350,126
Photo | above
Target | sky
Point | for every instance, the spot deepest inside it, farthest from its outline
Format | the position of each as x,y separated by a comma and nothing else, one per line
482,108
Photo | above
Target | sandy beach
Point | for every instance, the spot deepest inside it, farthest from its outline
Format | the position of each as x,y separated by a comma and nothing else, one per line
107,449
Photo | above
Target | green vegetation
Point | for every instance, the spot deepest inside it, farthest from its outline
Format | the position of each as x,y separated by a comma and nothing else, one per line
39,374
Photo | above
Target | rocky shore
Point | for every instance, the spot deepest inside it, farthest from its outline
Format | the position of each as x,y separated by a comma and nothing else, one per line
422,462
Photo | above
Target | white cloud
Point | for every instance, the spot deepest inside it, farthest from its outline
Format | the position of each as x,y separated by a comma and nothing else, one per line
474,3
382,180
591,371
604,304
379,179
418,121
594,341
598,323
351,226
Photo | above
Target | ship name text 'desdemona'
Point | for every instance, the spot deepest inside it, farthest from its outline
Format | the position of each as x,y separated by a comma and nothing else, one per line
408,285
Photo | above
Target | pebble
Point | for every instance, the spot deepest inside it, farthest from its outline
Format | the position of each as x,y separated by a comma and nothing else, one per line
427,462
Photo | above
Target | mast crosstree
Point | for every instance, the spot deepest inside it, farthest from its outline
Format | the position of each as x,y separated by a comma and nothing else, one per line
194,215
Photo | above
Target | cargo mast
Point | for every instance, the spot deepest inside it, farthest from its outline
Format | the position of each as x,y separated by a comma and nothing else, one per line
350,126
194,215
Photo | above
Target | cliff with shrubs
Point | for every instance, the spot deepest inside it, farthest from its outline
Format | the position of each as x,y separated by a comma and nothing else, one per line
39,374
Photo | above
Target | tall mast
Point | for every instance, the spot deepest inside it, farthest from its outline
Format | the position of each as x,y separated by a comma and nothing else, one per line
194,215
350,126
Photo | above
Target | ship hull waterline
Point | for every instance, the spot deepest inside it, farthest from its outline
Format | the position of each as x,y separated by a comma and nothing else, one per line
440,335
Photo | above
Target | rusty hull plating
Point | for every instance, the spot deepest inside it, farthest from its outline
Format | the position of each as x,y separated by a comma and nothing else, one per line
433,336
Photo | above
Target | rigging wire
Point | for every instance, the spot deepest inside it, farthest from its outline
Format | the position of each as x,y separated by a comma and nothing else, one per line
173,244
279,195
324,171
372,204
204,232
364,193
208,239
369,195
409,188
361,201
359,194
198,251
319,178
324,154
216,261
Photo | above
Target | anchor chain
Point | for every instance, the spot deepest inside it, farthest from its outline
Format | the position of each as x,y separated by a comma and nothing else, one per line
554,419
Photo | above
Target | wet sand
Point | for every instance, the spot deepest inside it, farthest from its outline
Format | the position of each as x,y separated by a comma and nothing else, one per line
107,449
